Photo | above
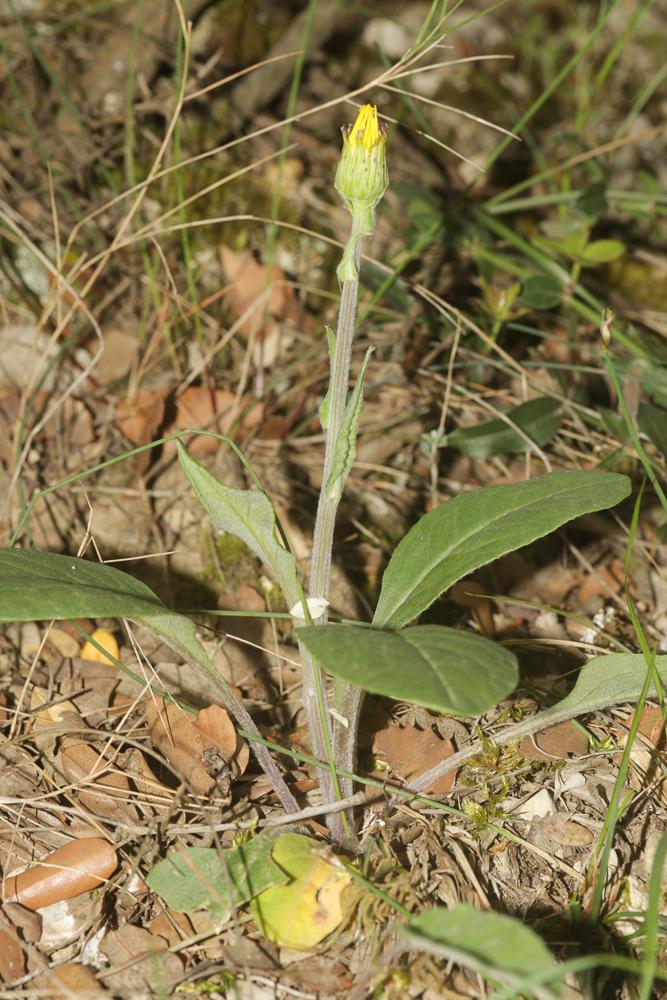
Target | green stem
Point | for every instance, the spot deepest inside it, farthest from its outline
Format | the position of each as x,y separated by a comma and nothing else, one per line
315,703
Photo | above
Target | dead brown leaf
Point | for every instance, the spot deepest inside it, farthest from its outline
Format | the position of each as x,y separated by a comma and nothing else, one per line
99,784
255,285
214,410
67,980
142,960
12,957
409,751
139,418
207,753
556,743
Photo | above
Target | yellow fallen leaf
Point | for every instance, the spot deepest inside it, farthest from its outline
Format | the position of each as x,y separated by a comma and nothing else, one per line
105,639
302,913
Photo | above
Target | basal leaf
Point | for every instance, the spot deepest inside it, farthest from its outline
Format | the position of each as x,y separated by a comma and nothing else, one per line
612,679
539,418
35,586
472,529
193,877
248,514
441,668
493,944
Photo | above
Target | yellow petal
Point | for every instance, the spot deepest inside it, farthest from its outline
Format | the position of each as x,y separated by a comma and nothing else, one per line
366,130
107,640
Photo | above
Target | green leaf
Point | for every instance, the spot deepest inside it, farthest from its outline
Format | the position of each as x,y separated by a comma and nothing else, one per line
539,418
193,877
35,586
606,680
40,585
614,423
602,251
541,291
346,442
652,377
248,514
492,944
441,668
472,529
653,422
593,200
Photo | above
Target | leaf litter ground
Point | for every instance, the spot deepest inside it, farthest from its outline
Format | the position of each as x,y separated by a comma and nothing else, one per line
88,752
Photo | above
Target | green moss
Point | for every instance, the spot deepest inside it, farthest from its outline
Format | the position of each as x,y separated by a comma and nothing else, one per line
228,562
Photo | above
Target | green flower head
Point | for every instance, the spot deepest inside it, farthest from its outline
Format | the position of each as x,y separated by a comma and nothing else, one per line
362,177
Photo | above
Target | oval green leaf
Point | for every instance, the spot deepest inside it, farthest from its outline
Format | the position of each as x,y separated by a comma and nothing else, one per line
441,668
538,418
602,251
35,586
493,944
472,529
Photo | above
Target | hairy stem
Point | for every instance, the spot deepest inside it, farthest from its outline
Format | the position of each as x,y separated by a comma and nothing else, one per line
315,703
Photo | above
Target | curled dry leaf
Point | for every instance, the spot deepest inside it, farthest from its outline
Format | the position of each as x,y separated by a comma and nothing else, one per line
100,785
470,594
206,753
76,868
107,640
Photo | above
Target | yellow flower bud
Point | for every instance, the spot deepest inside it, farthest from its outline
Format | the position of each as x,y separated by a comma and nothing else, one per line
362,177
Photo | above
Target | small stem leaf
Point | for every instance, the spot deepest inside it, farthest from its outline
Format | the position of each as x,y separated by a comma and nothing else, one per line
346,442
440,668
472,529
538,418
326,402
248,514
492,944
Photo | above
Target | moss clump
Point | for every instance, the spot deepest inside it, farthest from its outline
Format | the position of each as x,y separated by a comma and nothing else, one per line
228,562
